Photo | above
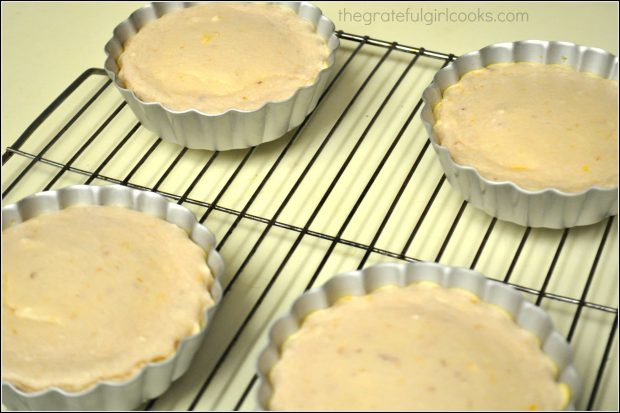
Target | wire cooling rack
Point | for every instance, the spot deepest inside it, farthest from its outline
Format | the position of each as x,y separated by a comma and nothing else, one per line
354,185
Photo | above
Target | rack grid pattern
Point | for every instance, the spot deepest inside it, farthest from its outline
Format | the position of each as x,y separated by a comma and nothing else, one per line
32,158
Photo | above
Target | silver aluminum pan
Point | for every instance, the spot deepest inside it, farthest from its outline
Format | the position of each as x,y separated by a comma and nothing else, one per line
154,378
355,283
233,129
549,208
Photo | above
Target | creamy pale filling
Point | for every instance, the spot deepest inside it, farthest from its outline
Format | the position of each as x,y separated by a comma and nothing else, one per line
93,293
539,126
216,57
421,347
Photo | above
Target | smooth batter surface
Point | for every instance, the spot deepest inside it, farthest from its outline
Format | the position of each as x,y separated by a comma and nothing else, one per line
218,56
539,126
419,347
92,293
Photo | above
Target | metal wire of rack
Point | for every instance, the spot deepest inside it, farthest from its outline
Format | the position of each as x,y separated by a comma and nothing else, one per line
318,186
